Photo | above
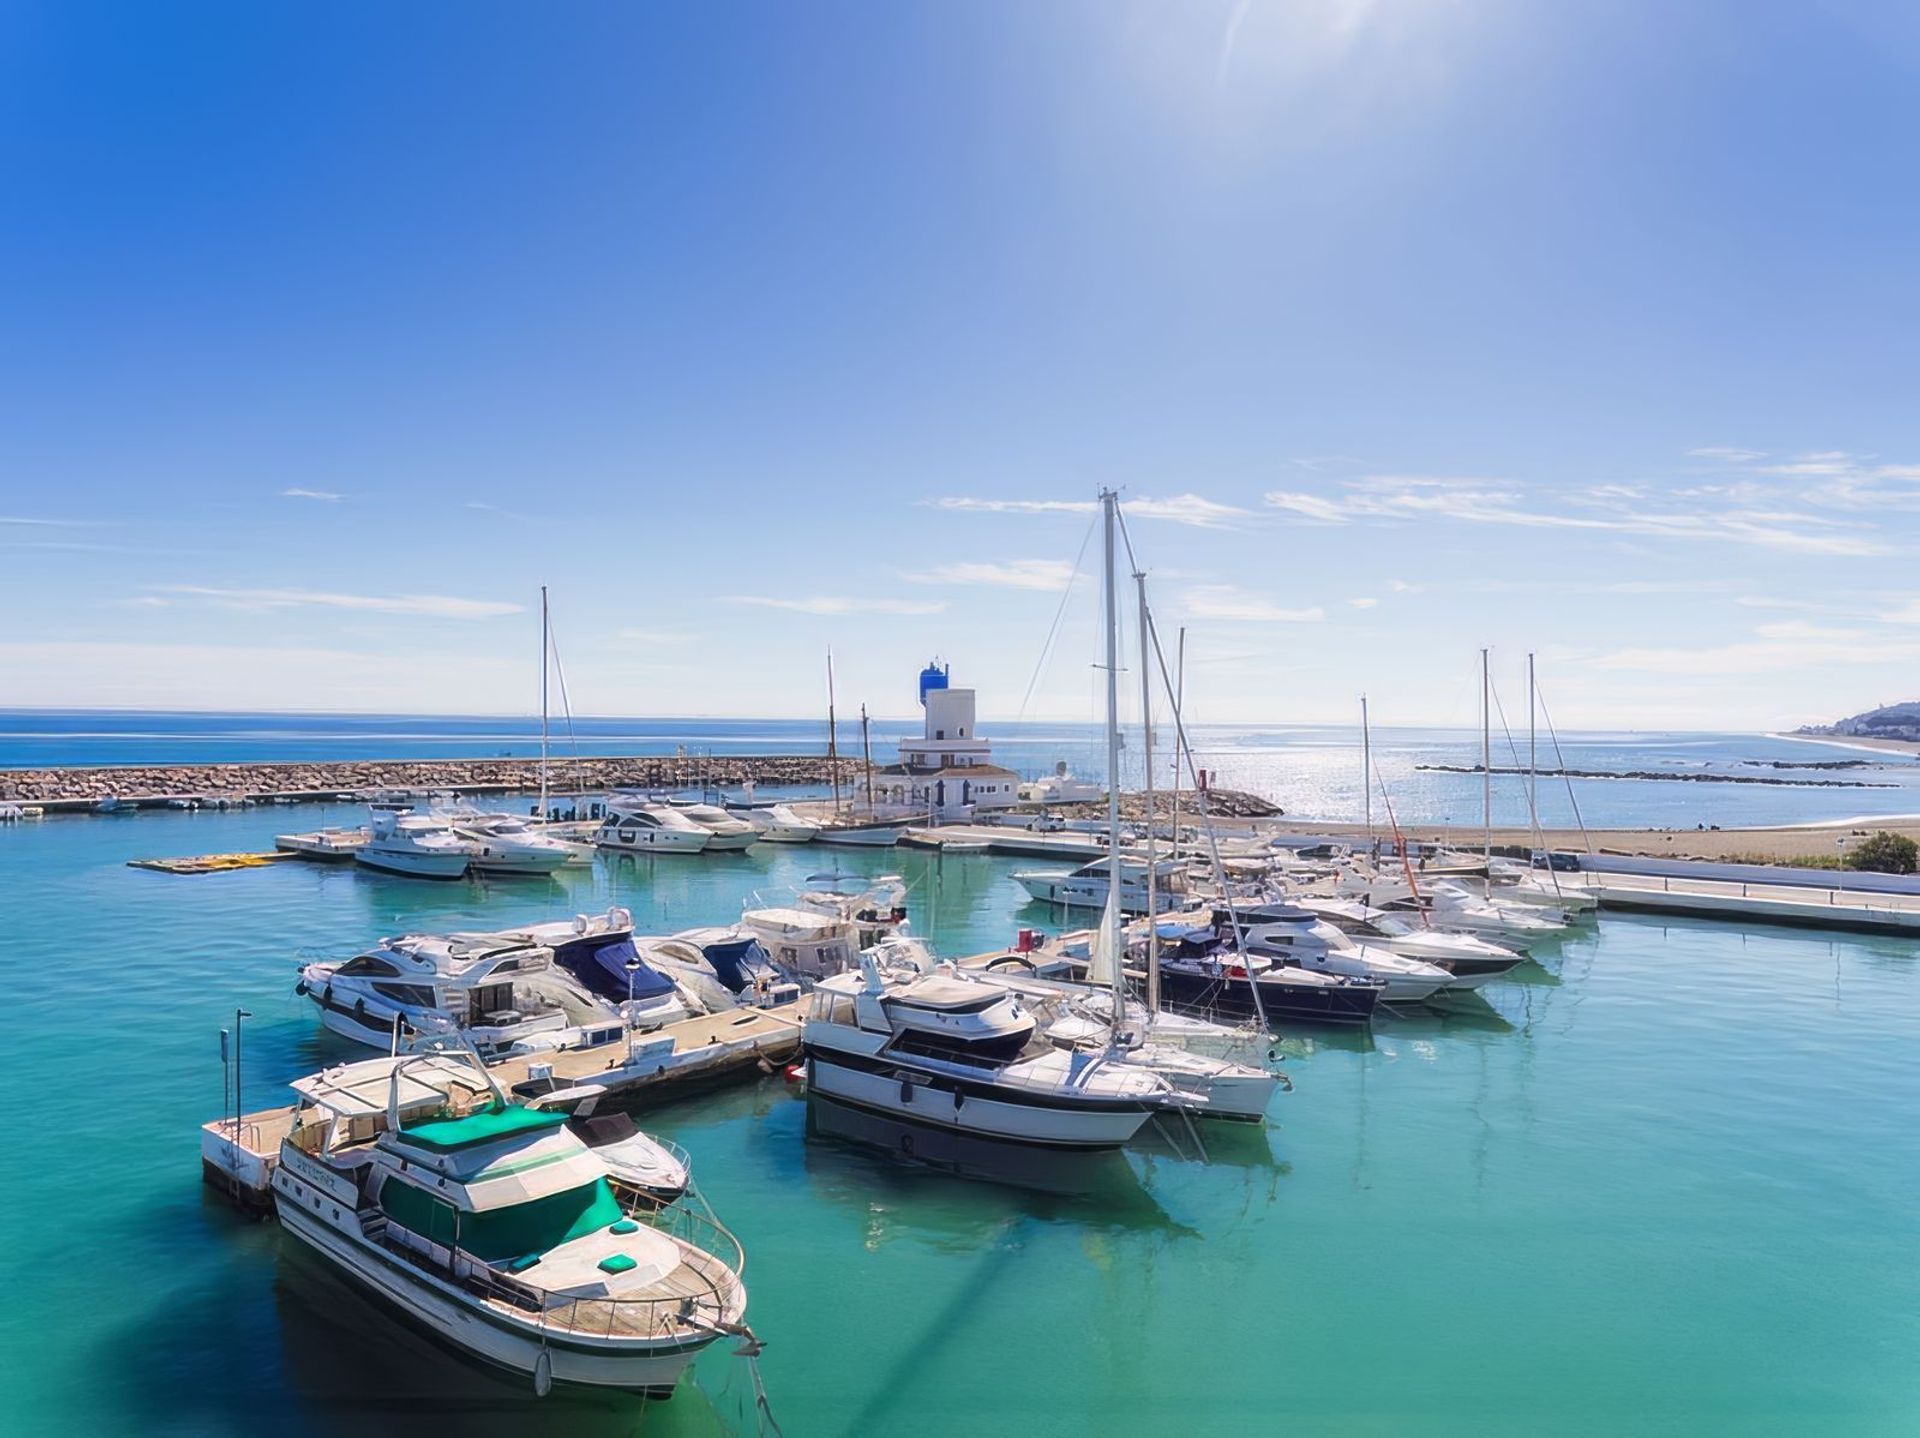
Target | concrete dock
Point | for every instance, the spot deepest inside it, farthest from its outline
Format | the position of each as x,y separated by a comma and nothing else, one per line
691,1056
1767,903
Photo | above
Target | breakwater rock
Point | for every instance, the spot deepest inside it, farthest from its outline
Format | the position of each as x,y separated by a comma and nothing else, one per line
1664,778
326,778
1221,803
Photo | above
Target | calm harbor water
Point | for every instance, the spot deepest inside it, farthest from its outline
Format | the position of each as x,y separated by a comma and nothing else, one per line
1664,1185
1313,771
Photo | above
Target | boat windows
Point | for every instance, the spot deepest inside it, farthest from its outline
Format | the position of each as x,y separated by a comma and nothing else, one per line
491,999
367,967
418,996
833,1008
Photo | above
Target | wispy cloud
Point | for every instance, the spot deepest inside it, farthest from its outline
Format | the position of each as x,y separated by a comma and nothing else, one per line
1620,509
1234,605
1789,645
39,523
1363,602
835,604
1727,453
662,637
1187,509
433,606
1054,574
325,495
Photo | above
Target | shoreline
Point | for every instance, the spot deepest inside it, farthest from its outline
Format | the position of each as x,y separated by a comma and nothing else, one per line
1908,748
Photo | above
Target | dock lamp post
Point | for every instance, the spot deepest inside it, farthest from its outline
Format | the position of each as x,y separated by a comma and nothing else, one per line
633,969
1842,880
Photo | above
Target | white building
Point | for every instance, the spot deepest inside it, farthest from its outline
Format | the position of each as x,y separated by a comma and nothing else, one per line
949,770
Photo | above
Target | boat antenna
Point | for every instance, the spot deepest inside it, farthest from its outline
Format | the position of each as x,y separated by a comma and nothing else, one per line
1110,919
1146,760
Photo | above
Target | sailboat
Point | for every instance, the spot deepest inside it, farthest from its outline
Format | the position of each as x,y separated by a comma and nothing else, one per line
842,830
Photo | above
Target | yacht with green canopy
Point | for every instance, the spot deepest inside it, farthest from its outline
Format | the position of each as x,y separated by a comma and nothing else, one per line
494,1225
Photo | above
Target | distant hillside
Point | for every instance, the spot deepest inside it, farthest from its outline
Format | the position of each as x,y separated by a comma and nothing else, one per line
1890,721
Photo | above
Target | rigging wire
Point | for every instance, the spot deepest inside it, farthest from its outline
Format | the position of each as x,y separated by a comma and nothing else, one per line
1560,762
1053,631
1181,746
1533,811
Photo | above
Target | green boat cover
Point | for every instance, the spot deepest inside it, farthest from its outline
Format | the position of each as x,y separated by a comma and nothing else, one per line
515,1231
447,1135
616,1263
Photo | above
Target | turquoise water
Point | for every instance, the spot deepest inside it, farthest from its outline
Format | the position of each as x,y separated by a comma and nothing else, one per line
1666,1185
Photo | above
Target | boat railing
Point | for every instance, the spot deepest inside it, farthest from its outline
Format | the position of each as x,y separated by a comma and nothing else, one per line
703,1293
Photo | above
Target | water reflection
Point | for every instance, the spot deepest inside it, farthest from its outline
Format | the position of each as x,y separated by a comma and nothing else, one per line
852,1155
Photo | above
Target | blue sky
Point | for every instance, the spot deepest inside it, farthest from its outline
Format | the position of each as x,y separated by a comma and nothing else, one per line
1589,328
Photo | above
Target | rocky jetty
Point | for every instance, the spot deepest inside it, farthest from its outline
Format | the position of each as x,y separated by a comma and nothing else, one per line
1663,777
148,783
1221,803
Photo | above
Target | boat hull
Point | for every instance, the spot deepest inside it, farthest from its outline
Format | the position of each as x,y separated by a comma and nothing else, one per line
904,1091
469,1327
1207,994
875,838
653,841
414,865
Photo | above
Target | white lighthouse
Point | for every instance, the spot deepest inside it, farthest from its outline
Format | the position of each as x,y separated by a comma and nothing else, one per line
949,770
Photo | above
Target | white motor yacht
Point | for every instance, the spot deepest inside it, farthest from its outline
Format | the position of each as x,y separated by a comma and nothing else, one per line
417,845
724,830
1296,936
650,1166
499,1230
777,823
718,969
875,905
1451,907
650,829
597,953
967,1057
804,942
1472,961
1086,886
497,990
508,844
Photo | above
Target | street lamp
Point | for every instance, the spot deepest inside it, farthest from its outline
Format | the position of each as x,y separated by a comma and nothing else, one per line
1841,882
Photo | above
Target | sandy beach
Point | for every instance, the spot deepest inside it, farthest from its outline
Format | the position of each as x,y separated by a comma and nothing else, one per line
1772,845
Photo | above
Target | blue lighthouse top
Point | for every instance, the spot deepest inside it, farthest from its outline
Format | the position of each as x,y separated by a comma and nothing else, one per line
934,676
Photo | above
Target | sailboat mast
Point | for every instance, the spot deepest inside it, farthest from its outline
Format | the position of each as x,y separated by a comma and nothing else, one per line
1146,759
1112,912
833,738
1533,758
543,703
1366,769
1486,760
1179,695
866,752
